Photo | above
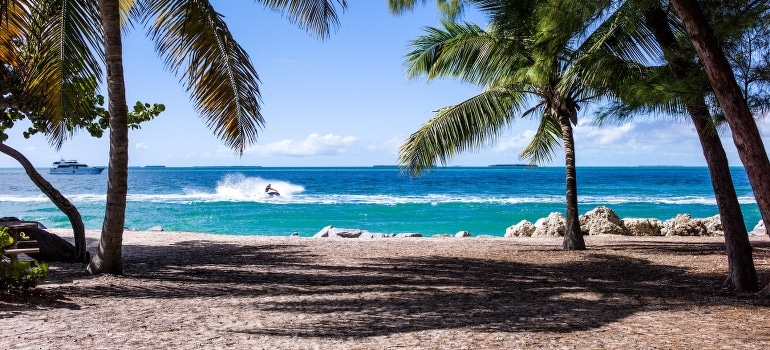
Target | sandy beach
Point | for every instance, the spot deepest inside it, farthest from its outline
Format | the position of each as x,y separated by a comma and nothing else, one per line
189,290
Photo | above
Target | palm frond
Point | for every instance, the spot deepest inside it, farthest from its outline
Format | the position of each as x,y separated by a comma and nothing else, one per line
318,17
65,50
13,26
129,11
467,52
451,9
621,33
469,125
513,18
191,36
400,7
545,141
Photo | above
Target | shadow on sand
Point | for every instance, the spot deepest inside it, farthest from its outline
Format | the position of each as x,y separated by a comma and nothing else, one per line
381,296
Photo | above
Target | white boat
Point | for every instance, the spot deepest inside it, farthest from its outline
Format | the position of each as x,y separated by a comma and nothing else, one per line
73,167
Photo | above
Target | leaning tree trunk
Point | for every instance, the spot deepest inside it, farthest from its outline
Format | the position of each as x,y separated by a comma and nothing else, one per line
573,238
78,229
744,129
108,258
741,275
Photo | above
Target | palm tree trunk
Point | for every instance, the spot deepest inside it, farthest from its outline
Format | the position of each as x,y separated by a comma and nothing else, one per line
741,274
744,130
61,202
573,238
108,258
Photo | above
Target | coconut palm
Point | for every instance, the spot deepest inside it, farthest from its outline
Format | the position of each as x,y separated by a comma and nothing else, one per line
530,64
47,80
28,57
192,38
194,42
605,68
527,71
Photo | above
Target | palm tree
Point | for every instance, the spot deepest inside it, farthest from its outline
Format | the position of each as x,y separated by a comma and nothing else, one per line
28,32
193,37
194,41
741,274
47,81
532,55
526,71
108,257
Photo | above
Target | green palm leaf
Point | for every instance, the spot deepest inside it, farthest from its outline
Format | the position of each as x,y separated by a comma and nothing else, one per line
545,141
192,37
64,54
469,125
467,52
13,26
451,9
318,17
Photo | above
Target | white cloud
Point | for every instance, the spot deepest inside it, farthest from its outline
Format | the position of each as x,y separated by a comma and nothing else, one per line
313,145
653,133
604,135
646,142
515,142
141,145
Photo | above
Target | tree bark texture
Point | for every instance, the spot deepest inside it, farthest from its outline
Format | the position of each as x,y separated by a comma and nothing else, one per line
108,258
742,274
61,202
573,238
744,129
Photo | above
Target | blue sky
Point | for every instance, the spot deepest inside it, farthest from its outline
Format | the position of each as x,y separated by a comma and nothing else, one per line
344,101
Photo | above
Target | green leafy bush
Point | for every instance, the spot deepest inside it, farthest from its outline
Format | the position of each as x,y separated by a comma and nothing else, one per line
24,274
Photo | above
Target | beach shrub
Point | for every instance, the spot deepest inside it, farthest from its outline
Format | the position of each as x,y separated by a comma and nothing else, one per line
23,274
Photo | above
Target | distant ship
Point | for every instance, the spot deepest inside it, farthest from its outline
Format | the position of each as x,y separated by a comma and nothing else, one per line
72,167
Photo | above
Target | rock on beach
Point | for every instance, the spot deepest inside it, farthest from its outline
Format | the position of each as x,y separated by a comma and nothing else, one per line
553,225
523,229
643,227
683,225
598,221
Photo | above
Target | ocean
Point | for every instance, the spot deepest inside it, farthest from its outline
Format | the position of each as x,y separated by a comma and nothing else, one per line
380,199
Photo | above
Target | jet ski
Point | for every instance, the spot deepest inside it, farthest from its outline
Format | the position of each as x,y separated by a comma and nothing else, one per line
272,192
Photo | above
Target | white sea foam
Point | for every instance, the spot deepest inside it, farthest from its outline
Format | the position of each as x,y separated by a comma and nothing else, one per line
244,189
240,188
237,187
87,197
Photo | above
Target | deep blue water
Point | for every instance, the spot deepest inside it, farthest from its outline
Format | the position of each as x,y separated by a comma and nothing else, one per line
482,200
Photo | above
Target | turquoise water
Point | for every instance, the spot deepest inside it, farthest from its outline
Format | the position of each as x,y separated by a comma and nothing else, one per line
481,200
